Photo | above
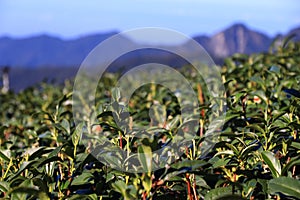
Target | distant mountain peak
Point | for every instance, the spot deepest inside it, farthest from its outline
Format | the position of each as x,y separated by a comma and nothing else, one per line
43,37
237,30
238,26
237,38
47,50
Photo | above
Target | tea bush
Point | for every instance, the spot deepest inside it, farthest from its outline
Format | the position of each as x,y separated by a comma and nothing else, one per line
256,156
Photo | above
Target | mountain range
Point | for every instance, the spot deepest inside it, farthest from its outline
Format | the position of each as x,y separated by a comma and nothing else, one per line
45,51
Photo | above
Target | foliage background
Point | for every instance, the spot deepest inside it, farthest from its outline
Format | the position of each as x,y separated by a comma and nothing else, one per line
256,156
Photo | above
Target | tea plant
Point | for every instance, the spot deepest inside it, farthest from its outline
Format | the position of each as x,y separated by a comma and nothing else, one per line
44,154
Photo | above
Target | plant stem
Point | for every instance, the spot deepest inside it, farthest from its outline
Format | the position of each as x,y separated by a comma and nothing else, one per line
8,167
188,184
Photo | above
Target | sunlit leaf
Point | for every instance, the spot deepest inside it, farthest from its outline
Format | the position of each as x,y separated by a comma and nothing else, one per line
272,162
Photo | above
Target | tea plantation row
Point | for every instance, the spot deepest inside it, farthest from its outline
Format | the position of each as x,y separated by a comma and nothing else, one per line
44,154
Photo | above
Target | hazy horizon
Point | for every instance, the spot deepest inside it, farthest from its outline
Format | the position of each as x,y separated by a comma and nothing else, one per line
55,35
68,19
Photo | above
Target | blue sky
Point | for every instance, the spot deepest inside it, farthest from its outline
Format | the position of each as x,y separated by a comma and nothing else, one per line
73,18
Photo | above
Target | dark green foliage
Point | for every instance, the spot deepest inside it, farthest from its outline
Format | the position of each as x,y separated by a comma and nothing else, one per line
43,154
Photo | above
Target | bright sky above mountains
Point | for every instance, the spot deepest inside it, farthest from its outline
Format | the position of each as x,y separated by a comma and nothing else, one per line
72,18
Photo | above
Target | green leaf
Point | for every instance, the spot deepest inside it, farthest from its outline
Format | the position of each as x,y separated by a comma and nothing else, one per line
4,186
200,182
192,164
83,179
285,185
22,192
174,122
226,152
273,163
264,185
5,155
114,161
55,151
145,157
34,152
41,184
48,114
237,96
43,162
65,185
249,187
24,165
64,98
275,69
295,145
80,197
219,162
230,116
245,152
257,128
66,125
156,129
294,161
147,183
116,94
222,194
121,187
257,79
105,114
261,94
173,175
233,148
76,136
